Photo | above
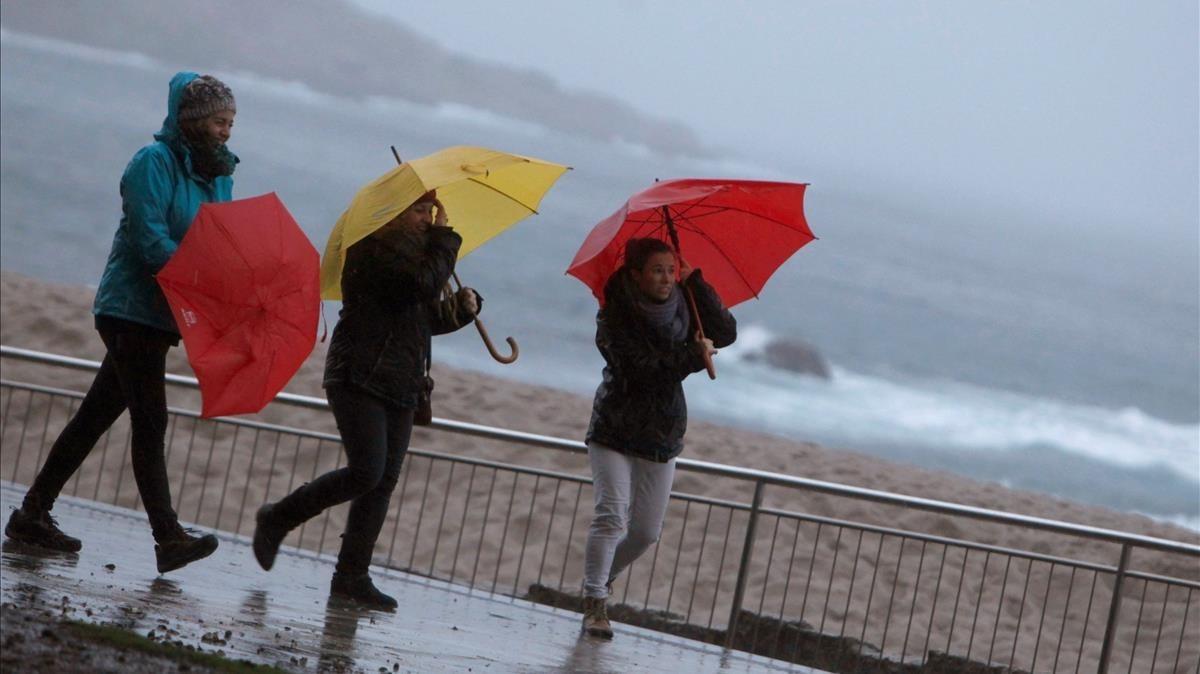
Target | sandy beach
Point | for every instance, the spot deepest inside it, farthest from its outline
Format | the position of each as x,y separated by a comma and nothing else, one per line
57,319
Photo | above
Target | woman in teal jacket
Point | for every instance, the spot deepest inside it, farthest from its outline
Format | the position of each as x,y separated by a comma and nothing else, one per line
161,190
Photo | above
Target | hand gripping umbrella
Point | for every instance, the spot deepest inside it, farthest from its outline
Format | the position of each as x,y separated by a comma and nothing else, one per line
243,287
738,231
487,191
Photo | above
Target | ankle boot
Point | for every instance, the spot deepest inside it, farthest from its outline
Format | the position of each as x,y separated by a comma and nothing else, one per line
595,618
182,548
36,527
359,589
268,535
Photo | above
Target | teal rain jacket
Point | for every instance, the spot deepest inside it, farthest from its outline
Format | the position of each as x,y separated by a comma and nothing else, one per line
159,198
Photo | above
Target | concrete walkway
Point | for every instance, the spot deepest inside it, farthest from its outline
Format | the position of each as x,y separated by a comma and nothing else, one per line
284,618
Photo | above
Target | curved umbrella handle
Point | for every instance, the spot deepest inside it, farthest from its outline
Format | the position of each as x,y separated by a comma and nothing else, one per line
487,340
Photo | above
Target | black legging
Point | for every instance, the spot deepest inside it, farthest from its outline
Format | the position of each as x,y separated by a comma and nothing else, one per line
133,377
375,437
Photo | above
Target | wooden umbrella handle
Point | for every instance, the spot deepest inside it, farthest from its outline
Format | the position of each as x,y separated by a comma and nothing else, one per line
708,364
487,340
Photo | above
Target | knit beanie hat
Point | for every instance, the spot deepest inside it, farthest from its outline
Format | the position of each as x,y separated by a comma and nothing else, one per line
204,96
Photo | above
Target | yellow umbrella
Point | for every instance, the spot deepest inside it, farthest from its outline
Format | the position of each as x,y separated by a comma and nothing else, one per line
484,192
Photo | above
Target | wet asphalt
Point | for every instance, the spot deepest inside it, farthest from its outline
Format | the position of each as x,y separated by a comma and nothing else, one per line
227,604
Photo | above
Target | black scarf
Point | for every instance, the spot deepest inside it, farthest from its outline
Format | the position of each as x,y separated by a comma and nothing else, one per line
209,160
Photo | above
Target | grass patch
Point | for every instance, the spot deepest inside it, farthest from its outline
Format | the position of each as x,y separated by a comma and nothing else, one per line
127,640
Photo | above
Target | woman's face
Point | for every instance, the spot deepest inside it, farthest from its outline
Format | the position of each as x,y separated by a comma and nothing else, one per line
657,277
217,127
417,218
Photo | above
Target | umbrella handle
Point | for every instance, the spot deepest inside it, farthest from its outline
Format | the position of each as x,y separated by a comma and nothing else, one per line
487,340
708,363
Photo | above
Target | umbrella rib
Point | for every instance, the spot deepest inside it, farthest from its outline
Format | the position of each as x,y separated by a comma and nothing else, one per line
760,215
731,263
686,219
532,211
684,213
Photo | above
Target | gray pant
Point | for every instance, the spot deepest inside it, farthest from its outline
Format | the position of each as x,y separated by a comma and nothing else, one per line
631,501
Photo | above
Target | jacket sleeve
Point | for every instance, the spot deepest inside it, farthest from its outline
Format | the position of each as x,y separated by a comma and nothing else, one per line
642,360
427,278
146,192
373,268
719,325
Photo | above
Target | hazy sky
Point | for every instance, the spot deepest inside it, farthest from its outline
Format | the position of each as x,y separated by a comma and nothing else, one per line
1083,112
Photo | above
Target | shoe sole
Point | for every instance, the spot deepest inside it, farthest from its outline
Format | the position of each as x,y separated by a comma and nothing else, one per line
201,553
603,634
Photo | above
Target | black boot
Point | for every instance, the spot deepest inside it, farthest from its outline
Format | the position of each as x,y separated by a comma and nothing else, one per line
37,527
182,548
359,589
267,537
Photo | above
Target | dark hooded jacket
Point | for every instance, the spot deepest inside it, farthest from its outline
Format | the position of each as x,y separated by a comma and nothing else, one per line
390,310
639,407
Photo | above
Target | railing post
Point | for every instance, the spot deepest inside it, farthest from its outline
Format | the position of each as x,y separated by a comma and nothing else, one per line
1114,608
744,565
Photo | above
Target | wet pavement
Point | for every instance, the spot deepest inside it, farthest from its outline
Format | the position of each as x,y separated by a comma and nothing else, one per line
284,618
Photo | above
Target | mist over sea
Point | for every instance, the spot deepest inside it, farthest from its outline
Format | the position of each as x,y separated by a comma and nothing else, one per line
1070,367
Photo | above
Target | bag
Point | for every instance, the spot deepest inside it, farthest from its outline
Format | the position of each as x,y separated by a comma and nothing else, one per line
423,414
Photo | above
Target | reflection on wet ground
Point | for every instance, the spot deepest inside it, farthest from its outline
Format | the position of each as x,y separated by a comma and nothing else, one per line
226,603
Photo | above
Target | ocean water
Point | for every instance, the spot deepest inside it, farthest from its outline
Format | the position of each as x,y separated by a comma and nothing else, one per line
980,342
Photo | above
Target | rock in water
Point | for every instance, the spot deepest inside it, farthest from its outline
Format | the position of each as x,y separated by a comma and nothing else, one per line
793,356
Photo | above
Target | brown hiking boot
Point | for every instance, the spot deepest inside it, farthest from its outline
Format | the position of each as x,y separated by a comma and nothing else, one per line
595,618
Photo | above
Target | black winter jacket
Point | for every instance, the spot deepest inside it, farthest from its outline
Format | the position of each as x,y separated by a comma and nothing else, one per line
639,407
390,309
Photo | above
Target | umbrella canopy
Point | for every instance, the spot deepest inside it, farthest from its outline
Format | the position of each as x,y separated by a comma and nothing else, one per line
738,231
243,286
484,192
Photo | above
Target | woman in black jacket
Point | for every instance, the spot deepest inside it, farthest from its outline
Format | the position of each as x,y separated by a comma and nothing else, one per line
645,333
393,288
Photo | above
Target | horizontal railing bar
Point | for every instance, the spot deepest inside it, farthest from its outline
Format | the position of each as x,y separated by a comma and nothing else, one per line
694,465
486,463
932,538
1167,580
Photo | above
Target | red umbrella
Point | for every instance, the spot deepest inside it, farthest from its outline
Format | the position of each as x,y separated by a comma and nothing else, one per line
244,286
738,231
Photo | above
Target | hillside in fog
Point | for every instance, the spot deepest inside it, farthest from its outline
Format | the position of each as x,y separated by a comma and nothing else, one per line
337,48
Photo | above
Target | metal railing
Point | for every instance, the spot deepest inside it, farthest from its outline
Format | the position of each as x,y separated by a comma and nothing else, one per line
834,594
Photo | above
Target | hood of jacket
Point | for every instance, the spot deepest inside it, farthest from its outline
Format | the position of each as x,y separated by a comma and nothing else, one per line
170,133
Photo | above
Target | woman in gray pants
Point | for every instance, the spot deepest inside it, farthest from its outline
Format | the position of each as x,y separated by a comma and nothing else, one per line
645,334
